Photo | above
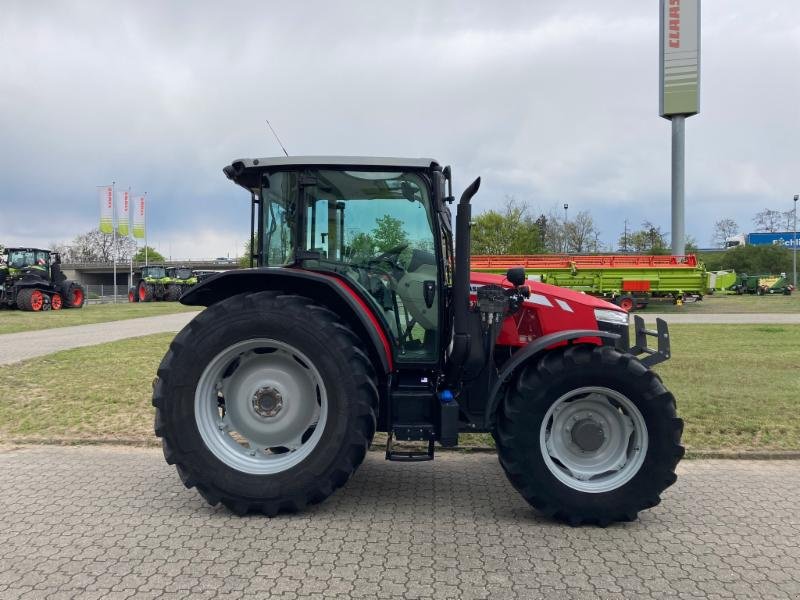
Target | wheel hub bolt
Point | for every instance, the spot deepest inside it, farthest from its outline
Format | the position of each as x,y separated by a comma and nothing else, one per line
267,402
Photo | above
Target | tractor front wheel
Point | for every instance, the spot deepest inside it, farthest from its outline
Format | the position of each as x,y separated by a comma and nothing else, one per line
74,295
256,413
56,302
589,435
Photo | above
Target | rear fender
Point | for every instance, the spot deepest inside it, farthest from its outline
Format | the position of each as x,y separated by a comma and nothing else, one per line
532,352
330,291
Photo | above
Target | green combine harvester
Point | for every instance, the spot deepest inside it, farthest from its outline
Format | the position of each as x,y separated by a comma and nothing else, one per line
157,282
762,285
630,281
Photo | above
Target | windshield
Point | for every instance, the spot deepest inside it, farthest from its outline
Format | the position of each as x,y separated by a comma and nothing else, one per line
182,273
154,272
19,259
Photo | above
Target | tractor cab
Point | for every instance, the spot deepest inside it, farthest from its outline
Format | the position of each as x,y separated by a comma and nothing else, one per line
375,227
26,259
154,272
179,273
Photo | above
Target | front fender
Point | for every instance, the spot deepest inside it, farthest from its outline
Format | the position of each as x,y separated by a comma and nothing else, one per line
531,352
337,294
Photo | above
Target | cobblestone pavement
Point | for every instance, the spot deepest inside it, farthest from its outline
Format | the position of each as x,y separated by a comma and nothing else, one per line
105,522
28,344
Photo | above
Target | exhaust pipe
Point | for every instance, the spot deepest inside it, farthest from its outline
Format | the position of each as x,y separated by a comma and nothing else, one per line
461,337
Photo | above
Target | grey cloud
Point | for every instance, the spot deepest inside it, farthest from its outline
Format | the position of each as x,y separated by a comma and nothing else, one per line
550,102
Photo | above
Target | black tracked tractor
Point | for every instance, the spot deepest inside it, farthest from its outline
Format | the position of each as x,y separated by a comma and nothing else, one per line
31,279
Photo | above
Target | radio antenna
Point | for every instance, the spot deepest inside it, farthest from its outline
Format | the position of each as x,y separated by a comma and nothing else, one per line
277,138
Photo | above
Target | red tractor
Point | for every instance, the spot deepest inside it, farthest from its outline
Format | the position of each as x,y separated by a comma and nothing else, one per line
361,316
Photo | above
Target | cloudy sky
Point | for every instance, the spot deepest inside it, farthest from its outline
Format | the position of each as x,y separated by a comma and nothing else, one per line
551,102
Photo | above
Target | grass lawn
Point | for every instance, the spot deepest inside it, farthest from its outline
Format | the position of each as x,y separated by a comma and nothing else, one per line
730,303
13,321
737,388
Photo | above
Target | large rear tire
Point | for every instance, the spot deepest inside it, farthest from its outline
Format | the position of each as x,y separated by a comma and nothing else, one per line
589,435
74,295
30,300
173,293
145,292
256,412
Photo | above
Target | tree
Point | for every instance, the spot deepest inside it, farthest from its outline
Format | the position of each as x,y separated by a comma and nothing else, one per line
768,220
724,229
95,246
581,233
512,231
754,260
247,249
388,233
153,255
649,239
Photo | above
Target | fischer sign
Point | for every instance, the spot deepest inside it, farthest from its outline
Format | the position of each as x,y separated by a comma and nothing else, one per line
679,61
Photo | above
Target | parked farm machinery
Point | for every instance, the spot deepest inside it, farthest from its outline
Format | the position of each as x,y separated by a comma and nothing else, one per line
762,285
629,281
31,279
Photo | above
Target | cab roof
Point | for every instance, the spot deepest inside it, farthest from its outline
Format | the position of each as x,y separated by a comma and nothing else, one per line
243,170
27,250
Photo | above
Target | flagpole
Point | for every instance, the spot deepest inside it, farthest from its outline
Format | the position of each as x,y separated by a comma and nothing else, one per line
145,229
130,236
114,235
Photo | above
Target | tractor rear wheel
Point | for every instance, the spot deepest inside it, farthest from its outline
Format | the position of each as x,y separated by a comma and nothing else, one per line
256,413
173,293
145,292
30,299
133,296
589,435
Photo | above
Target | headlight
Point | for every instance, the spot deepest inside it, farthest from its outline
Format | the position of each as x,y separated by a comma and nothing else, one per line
617,317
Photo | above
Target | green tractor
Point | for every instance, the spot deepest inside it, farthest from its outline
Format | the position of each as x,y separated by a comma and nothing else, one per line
31,279
181,279
151,285
157,282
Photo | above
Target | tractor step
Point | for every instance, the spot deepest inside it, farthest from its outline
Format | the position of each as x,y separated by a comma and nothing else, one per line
410,432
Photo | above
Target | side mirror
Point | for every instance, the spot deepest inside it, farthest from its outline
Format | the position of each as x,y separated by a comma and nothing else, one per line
516,275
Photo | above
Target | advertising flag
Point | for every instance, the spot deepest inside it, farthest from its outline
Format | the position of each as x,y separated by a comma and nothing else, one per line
106,196
123,212
138,217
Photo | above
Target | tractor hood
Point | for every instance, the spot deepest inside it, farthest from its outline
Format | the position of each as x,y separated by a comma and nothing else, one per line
543,289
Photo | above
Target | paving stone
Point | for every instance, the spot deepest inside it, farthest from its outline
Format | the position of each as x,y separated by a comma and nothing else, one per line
117,523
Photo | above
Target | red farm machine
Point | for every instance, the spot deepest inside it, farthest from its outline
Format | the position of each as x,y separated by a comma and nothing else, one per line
627,280
361,316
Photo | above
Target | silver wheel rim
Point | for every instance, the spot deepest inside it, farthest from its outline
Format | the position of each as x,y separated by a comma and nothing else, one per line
260,406
593,439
